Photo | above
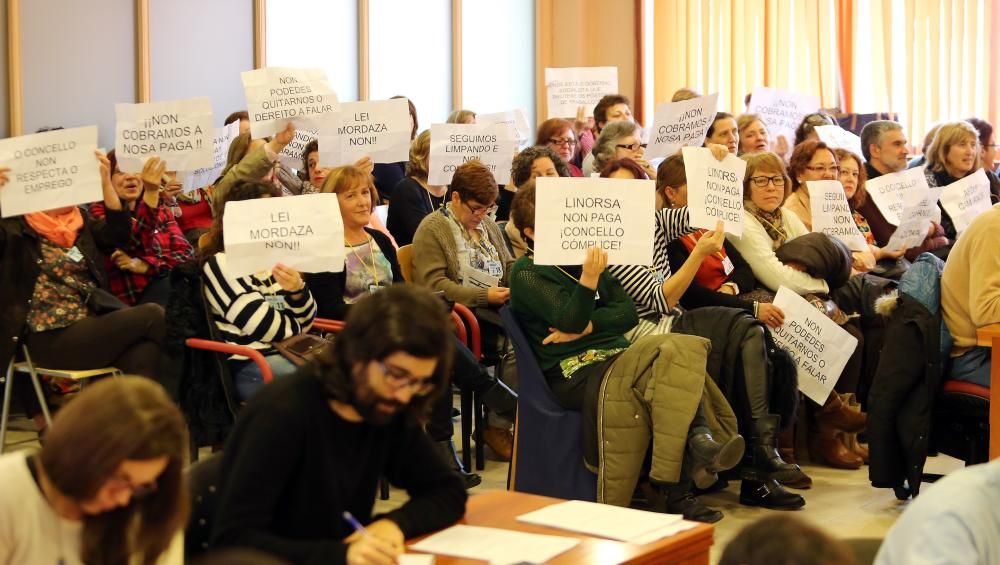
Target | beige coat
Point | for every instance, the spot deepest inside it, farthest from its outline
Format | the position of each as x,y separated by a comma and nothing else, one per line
651,393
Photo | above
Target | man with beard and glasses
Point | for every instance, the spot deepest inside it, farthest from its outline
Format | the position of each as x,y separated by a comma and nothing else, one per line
313,445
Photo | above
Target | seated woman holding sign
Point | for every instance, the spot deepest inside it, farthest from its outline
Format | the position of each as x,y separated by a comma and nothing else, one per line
576,318
139,272
742,371
254,310
371,265
953,155
249,160
52,293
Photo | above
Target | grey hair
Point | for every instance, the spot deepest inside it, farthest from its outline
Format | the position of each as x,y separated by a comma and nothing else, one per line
872,134
613,132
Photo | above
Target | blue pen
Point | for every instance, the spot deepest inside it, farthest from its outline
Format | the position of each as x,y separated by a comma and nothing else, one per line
354,523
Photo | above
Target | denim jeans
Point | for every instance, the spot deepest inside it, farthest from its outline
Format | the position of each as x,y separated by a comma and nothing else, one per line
973,367
247,376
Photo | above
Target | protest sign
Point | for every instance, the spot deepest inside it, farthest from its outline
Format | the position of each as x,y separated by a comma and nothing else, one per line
305,233
178,131
677,124
279,96
50,170
966,198
714,189
572,215
781,111
454,144
569,88
818,345
291,155
836,136
205,176
379,129
515,119
887,191
919,210
832,215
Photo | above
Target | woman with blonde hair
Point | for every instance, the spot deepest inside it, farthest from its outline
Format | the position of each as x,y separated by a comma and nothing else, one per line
953,155
413,198
107,486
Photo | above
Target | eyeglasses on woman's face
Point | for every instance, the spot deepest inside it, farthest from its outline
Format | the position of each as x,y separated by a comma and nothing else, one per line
763,181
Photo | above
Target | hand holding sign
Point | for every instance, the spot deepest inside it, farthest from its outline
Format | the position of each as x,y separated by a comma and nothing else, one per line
715,189
711,241
288,278
770,315
594,264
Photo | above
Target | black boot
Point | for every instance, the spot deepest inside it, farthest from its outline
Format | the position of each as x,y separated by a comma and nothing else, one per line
765,458
769,493
680,500
446,449
708,457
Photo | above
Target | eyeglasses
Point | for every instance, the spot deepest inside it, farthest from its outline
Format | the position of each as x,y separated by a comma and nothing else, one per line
565,142
829,170
398,379
632,147
762,181
480,212
119,482
847,173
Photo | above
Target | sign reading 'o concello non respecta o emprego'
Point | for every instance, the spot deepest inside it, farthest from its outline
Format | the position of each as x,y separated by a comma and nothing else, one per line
572,215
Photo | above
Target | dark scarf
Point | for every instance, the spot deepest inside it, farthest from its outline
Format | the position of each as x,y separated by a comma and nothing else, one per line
773,222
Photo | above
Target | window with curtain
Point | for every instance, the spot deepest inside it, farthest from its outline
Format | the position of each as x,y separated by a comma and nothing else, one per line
316,34
410,55
498,56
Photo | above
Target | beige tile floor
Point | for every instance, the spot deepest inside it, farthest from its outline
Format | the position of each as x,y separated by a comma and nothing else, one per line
840,502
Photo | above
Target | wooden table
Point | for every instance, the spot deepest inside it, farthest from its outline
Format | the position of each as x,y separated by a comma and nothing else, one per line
989,336
500,509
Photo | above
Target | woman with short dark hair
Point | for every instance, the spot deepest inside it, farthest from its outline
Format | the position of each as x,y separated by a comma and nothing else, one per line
558,134
106,487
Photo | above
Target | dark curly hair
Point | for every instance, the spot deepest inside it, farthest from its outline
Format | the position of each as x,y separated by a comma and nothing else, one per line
520,169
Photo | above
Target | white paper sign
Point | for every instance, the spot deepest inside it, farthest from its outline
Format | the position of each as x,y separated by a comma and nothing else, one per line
574,214
919,210
305,232
291,155
715,189
818,345
178,131
781,111
379,129
454,144
966,198
887,191
279,96
474,278
514,118
50,170
677,124
205,176
832,215
571,87
836,136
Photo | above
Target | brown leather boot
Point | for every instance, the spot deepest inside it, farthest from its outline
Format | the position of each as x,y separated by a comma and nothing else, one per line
851,439
836,415
786,445
825,448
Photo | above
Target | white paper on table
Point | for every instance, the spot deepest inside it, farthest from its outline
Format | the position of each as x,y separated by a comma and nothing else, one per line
966,198
291,155
602,520
495,545
223,137
818,345
453,144
715,189
379,129
919,210
515,118
887,191
50,170
836,136
568,88
574,214
279,96
671,530
305,233
679,124
781,111
415,559
831,214
178,131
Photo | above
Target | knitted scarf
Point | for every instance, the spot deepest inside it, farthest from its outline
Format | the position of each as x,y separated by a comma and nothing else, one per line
772,221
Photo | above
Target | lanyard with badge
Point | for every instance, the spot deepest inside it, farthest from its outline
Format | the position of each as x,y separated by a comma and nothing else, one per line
372,288
275,301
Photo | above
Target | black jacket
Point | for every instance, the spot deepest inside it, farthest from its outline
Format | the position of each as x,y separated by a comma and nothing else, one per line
328,288
697,296
20,260
907,380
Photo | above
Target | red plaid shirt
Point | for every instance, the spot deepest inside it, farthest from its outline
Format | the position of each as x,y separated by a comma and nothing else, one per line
156,240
